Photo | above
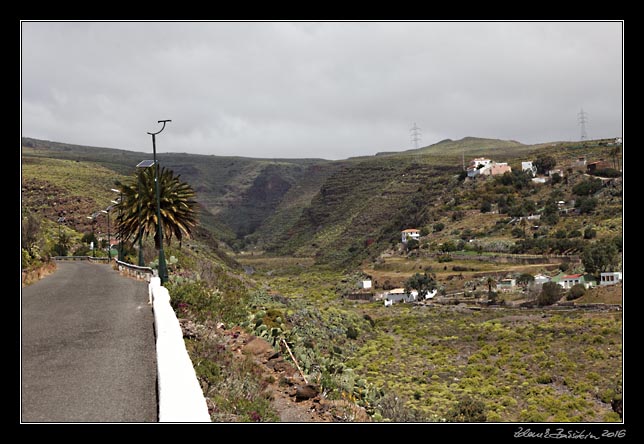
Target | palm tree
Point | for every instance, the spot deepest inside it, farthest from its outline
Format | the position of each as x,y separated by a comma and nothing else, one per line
491,283
138,216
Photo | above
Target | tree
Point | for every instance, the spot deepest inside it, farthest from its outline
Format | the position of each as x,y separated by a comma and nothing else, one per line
412,244
587,187
423,283
491,283
586,205
61,248
590,233
525,279
550,293
30,235
138,216
550,213
544,164
600,256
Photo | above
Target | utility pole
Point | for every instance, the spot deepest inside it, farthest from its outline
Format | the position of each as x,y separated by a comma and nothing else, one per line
163,268
582,118
415,134
463,157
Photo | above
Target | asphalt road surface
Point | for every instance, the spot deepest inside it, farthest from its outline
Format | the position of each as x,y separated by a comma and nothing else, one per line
88,349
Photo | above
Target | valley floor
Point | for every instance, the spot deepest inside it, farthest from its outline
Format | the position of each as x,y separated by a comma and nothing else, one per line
525,365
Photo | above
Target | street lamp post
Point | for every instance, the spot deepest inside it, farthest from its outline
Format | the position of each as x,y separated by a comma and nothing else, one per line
120,234
93,217
60,221
141,260
163,269
109,241
60,235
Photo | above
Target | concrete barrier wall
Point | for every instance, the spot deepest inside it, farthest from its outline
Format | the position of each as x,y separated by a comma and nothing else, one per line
180,396
142,273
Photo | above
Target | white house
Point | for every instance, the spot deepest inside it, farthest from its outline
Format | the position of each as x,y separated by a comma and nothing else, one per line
569,280
506,284
478,166
556,171
528,167
610,278
399,295
366,284
541,279
410,233
580,163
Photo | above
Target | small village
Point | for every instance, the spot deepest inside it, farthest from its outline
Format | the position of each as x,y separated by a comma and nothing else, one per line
512,289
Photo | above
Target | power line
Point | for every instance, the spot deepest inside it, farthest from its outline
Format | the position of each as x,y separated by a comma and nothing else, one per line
415,134
582,118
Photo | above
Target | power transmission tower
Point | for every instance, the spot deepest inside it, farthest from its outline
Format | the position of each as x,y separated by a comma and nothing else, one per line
415,134
582,118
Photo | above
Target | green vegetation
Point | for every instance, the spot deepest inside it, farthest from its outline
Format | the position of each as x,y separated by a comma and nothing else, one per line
600,256
551,292
137,213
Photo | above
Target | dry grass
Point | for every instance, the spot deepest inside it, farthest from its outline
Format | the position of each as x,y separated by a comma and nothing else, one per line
609,294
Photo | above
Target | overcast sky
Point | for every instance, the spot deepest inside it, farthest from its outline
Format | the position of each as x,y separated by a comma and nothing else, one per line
318,89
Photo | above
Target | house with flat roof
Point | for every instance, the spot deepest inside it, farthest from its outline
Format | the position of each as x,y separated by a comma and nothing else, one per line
410,233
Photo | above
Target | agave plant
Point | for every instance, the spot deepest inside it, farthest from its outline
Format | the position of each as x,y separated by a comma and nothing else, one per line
138,215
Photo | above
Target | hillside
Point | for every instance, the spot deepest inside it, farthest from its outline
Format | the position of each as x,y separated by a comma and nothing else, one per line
340,212
239,192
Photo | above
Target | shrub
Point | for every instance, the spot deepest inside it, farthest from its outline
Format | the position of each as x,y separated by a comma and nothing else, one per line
590,233
83,250
544,379
586,205
467,410
550,293
607,172
352,332
587,187
393,408
577,291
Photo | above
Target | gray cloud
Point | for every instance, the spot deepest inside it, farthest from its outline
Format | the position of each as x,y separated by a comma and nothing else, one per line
317,89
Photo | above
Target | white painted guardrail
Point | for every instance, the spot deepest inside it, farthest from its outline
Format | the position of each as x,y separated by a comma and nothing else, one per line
180,396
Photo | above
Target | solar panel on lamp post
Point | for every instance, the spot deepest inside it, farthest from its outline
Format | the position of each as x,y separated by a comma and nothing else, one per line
163,269
142,164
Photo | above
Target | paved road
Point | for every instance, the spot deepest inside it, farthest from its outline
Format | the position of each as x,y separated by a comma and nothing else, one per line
88,350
